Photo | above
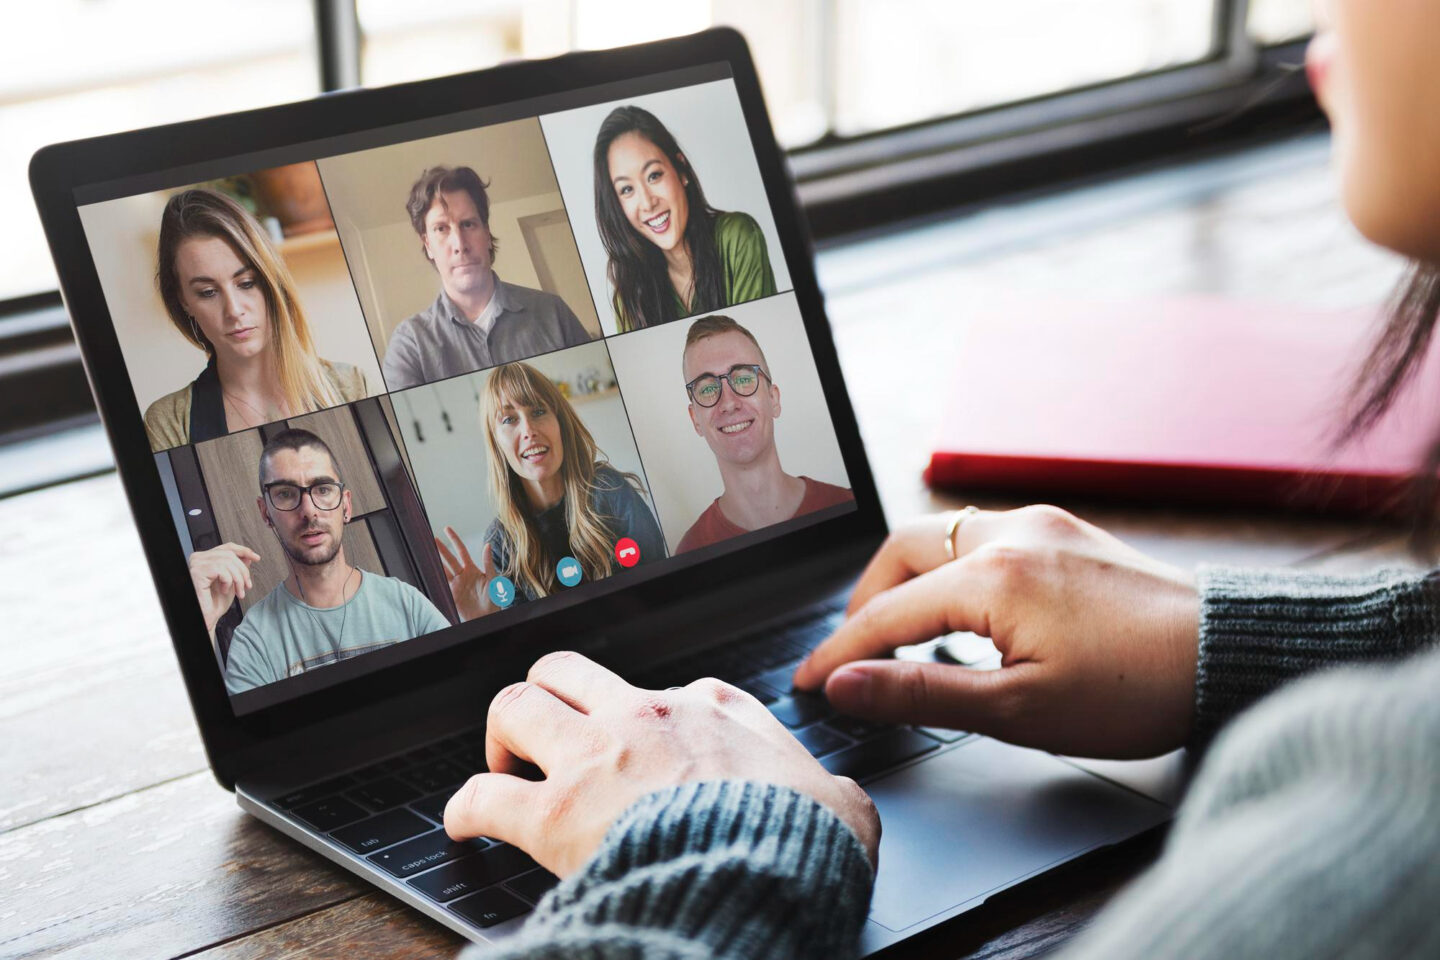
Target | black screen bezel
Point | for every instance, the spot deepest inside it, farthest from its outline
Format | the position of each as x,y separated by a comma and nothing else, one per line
56,172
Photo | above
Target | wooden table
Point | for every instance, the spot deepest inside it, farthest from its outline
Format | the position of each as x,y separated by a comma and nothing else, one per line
116,842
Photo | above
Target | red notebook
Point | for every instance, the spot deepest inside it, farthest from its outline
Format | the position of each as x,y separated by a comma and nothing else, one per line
1178,401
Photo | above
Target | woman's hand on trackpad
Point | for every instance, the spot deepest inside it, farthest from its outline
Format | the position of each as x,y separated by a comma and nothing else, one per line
1099,641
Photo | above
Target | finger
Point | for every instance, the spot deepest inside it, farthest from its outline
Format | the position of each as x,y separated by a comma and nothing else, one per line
931,694
487,562
447,559
919,548
239,575
239,551
579,681
954,597
529,724
493,805
460,546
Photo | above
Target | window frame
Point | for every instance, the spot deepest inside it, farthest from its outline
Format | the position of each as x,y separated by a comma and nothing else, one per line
846,185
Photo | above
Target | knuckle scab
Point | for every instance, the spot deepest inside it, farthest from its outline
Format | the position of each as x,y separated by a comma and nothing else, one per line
715,690
653,707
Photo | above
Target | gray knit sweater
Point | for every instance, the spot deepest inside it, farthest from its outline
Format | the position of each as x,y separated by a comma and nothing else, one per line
1311,830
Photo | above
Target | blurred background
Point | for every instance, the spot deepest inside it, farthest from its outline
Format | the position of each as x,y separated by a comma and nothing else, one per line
892,113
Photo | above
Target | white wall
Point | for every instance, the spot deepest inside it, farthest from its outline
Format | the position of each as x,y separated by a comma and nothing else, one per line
451,467
709,126
122,235
684,478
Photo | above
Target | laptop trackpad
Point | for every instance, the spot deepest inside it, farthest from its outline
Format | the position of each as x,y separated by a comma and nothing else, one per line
975,820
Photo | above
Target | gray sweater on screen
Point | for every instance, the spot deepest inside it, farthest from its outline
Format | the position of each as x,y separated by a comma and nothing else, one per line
1312,828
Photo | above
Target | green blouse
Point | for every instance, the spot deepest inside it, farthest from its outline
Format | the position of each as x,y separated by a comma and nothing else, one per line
743,256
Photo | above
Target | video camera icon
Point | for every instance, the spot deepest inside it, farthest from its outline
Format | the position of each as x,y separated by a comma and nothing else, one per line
568,571
502,591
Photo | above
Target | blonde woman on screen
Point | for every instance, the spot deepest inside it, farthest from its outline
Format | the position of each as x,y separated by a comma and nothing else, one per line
557,496
228,292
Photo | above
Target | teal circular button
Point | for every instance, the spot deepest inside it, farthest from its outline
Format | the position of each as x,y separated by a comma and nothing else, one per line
568,570
502,592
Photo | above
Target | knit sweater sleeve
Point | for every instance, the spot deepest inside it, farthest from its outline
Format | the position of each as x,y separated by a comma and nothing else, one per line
1259,629
717,869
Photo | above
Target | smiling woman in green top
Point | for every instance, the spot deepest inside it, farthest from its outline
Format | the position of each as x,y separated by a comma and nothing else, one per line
672,255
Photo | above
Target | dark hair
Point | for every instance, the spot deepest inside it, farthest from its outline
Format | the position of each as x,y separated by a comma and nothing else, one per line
293,439
441,180
1390,367
644,295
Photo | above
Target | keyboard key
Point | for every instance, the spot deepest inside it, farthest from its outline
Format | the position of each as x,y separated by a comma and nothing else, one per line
489,907
779,679
424,852
820,740
435,775
801,709
470,759
533,885
383,794
881,753
759,691
433,806
330,813
380,769
945,736
382,831
314,792
855,728
486,868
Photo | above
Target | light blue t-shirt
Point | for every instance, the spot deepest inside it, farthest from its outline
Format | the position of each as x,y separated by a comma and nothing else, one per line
283,637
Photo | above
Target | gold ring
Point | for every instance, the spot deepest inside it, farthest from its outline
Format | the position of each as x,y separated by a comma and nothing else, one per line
960,517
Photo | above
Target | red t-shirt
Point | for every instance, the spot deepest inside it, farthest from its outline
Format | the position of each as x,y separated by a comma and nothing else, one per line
713,526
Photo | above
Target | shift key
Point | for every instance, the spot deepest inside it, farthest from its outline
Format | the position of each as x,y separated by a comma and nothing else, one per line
422,853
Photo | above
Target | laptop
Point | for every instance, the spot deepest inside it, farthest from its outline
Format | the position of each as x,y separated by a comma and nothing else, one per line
428,272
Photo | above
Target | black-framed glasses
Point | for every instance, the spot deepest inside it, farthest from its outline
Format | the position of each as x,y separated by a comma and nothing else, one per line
284,495
744,379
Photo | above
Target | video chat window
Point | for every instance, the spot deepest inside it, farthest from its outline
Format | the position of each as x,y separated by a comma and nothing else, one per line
427,383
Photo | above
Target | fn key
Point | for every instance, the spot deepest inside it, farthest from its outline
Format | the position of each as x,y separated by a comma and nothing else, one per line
489,907
881,753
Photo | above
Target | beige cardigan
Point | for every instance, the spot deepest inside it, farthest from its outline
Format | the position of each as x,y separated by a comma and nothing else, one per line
167,420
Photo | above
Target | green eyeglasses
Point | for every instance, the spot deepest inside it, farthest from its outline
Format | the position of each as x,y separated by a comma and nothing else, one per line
744,379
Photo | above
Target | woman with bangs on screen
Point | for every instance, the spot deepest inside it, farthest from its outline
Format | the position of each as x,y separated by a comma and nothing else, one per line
556,496
228,292
671,254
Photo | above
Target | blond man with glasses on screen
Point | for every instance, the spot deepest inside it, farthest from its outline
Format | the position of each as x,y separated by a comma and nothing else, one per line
734,404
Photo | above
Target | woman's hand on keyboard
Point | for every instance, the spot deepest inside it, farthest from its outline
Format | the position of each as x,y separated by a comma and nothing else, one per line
1099,641
602,744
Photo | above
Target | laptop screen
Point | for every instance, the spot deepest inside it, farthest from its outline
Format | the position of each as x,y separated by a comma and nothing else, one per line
431,380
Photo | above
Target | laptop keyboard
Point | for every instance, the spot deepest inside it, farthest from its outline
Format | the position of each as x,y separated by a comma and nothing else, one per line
391,812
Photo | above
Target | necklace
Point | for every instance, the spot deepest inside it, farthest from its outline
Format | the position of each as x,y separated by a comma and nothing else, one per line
335,643
259,417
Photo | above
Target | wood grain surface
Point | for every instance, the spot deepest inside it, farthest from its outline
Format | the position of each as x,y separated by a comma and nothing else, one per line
116,842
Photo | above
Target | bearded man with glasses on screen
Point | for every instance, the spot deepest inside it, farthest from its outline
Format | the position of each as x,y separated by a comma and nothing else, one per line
326,610
734,404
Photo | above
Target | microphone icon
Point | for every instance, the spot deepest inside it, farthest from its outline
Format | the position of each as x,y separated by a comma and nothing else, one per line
502,591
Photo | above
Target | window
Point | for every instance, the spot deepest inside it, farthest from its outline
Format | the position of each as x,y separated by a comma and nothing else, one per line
79,68
1276,21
